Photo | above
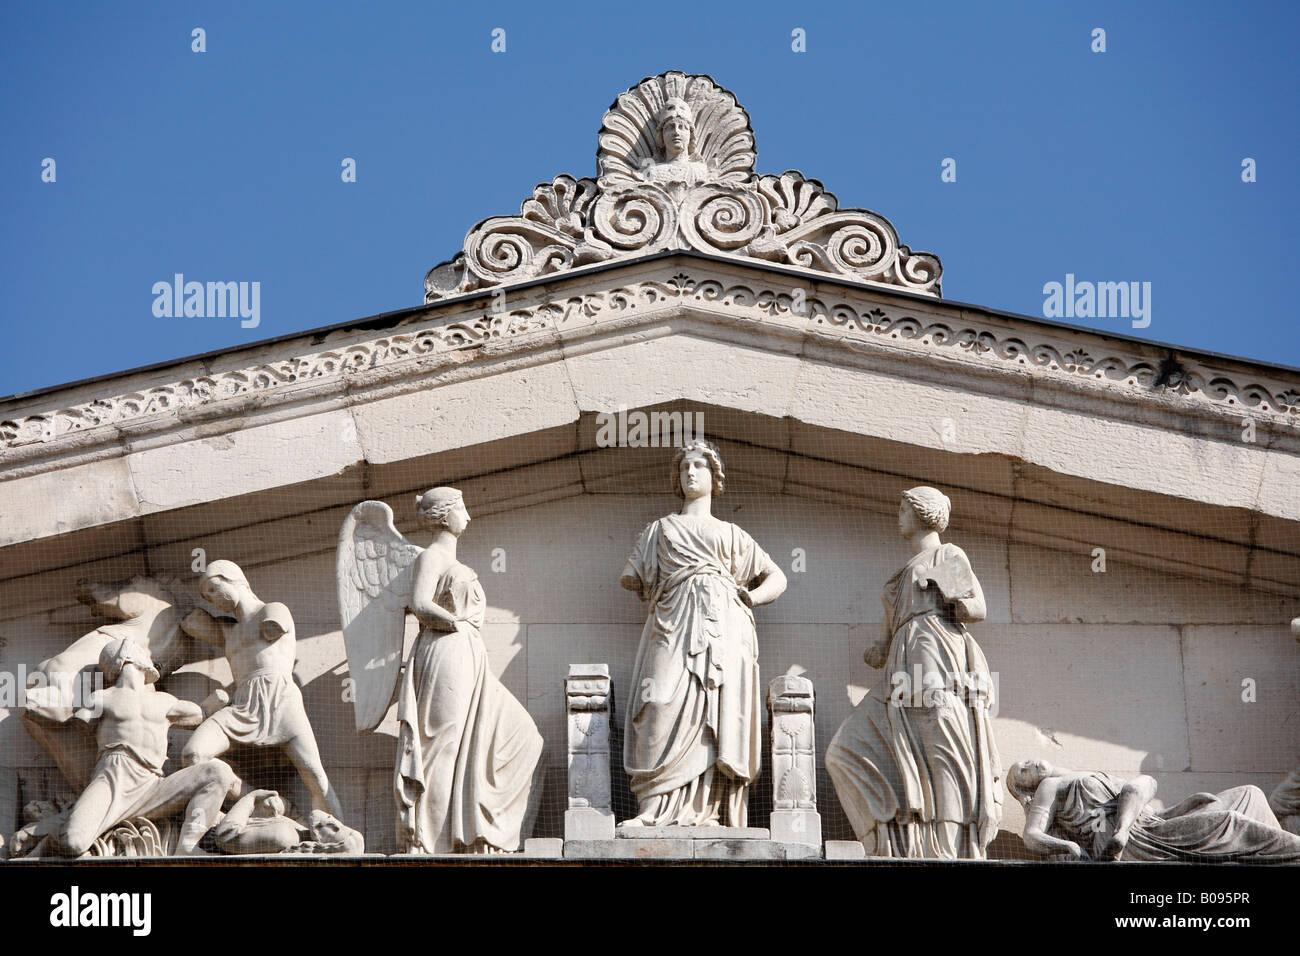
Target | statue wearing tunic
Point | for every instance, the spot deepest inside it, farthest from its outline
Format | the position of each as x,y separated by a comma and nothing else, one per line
466,748
1095,815
469,758
692,743
918,774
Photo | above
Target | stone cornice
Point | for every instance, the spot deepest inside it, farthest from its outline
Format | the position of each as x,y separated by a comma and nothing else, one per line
860,320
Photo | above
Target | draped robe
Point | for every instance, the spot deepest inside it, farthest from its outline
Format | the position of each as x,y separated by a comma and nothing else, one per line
1233,826
692,742
467,750
922,781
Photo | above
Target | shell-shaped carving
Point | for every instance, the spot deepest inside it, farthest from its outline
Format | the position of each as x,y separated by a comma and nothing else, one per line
629,136
561,203
794,199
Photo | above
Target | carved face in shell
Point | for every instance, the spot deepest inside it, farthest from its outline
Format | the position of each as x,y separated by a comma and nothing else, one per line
676,128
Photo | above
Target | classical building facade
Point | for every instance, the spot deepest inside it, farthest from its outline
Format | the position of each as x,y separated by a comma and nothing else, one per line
1132,510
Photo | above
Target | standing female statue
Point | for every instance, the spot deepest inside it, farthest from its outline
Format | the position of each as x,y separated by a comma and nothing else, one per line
918,774
1095,815
692,742
468,754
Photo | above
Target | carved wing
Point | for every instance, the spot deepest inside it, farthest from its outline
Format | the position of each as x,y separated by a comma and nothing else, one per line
374,587
629,137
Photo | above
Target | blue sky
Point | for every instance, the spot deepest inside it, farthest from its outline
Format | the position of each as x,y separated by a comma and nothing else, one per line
225,165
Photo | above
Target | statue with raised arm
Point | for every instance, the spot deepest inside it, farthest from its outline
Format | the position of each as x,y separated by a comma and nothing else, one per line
918,774
1098,816
131,720
142,609
266,709
468,773
692,744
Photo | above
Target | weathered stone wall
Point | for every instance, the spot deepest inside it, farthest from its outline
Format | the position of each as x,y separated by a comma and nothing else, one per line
1131,670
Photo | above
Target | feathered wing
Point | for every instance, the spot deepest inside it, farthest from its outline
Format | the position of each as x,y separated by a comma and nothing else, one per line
374,582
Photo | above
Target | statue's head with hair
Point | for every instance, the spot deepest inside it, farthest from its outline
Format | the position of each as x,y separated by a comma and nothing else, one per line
221,584
709,452
676,113
440,508
122,651
930,505
1024,777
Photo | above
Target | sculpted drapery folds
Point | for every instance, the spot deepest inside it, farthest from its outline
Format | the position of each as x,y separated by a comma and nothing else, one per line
468,770
918,774
1098,816
692,743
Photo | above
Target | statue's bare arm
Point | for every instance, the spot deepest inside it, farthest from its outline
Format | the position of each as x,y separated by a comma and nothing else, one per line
277,623
1039,819
877,653
184,713
202,626
632,582
971,610
772,585
94,706
423,588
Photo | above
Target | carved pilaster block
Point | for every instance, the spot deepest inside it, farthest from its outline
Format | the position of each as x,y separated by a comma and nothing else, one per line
589,707
790,702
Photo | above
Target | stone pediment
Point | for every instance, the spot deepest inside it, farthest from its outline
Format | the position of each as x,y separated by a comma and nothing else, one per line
676,171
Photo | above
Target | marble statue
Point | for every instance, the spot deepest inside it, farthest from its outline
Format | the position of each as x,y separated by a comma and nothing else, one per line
258,823
132,718
692,744
1285,800
918,774
266,709
143,609
468,774
1095,815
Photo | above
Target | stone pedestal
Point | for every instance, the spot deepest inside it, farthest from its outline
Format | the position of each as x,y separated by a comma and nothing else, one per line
794,762
590,707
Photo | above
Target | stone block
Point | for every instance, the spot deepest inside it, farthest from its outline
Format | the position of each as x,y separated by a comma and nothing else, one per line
629,849
544,848
586,823
845,850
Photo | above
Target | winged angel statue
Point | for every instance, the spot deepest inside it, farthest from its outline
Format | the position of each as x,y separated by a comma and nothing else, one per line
468,772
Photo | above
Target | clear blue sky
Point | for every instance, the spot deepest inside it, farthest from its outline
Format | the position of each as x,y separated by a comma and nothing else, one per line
1115,166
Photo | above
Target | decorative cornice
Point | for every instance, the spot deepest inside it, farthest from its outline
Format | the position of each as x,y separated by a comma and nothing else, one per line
986,346
696,192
